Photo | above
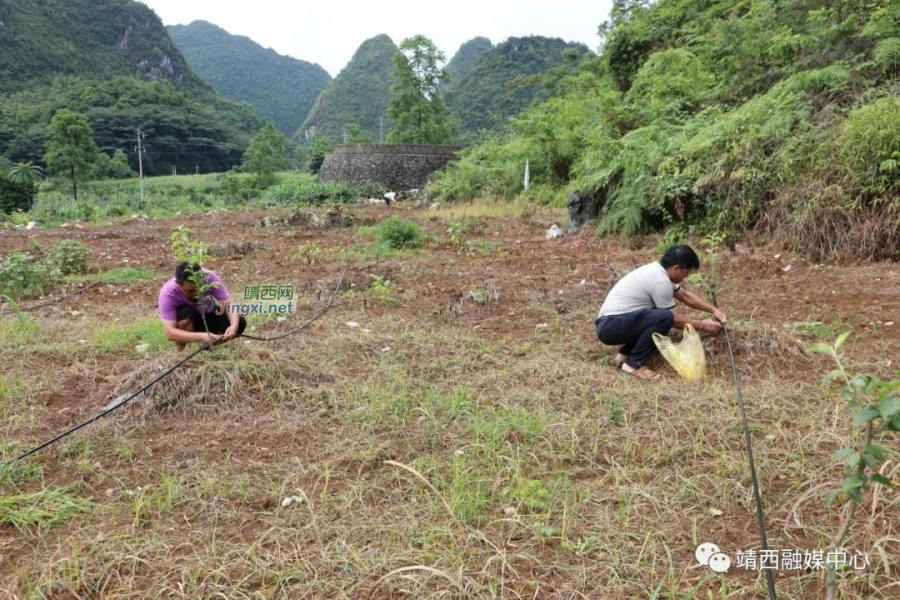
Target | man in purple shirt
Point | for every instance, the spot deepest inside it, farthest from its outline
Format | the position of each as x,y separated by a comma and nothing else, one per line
187,318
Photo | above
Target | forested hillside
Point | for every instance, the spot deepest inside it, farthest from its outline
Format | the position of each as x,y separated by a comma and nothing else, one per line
281,89
113,61
359,94
778,117
99,40
466,57
505,79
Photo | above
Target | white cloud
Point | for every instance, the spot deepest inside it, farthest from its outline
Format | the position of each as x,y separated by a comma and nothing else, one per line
329,32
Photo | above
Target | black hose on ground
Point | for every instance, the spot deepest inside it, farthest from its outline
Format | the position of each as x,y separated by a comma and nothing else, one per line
52,302
108,409
120,403
760,515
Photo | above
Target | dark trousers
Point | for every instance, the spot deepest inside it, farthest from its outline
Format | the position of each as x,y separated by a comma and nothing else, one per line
635,331
217,323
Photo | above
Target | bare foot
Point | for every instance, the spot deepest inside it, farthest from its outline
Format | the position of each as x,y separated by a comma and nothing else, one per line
620,359
641,373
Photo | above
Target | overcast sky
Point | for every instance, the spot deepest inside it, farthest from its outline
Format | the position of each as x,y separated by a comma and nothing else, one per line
328,32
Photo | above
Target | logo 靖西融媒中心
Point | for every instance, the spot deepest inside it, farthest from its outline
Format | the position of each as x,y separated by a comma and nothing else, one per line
784,559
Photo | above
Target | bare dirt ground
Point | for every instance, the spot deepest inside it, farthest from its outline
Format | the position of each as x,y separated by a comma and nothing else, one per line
536,470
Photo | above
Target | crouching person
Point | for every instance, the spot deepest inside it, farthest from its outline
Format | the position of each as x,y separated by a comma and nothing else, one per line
643,303
187,318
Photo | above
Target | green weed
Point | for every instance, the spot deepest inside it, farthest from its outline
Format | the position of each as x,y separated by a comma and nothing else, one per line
532,495
380,291
143,331
310,252
484,247
41,510
819,330
120,275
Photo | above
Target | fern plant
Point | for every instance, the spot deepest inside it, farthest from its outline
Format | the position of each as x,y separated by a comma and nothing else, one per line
883,26
887,51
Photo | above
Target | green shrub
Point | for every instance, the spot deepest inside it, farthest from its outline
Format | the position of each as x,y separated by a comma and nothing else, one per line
670,83
550,137
718,115
18,217
532,495
14,196
719,168
230,185
492,169
870,144
396,233
380,291
22,277
70,257
117,210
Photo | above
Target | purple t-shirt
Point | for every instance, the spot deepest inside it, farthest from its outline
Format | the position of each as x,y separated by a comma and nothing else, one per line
171,298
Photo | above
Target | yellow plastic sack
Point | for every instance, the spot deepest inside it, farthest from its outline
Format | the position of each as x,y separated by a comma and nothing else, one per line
688,358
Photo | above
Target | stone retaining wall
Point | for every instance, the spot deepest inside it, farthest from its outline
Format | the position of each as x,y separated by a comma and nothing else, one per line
397,167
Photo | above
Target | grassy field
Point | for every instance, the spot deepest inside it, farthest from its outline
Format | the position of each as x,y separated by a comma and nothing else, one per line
450,429
168,196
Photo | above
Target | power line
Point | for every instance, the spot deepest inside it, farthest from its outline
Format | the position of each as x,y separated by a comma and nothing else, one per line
119,141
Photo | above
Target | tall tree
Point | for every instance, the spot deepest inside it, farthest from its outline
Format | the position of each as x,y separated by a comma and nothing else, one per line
267,153
356,135
113,167
416,108
71,150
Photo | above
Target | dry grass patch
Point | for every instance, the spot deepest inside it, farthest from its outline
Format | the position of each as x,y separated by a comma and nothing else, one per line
491,453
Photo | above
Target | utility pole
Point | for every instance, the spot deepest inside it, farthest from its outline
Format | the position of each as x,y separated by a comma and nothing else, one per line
174,170
197,170
345,135
140,153
381,130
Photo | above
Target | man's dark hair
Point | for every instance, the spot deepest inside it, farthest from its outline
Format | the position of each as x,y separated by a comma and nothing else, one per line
184,270
681,255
